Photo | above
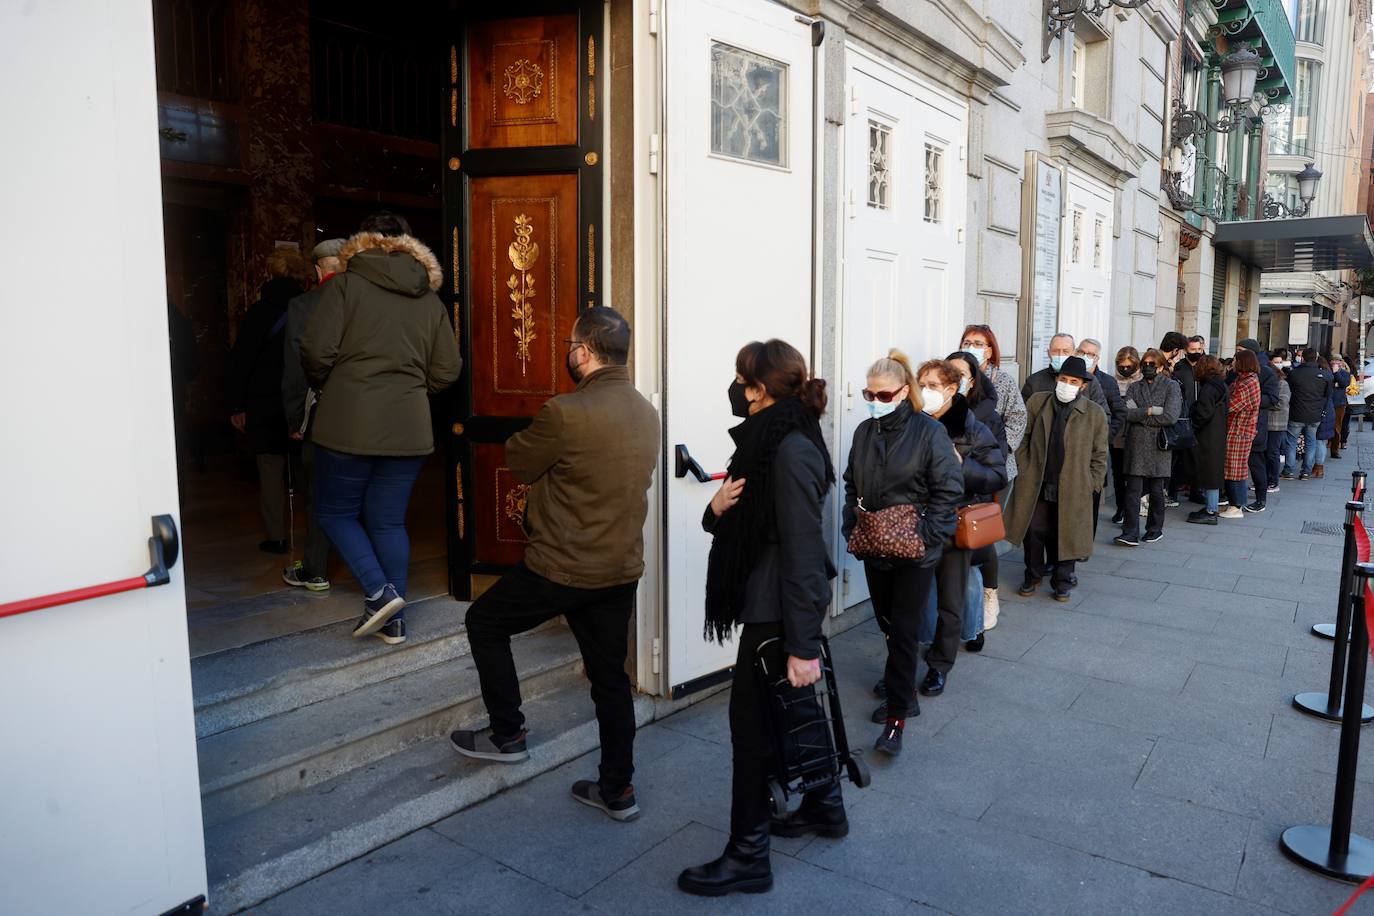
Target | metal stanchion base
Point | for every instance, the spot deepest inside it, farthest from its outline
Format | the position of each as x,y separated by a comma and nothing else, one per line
1310,847
1314,704
1324,630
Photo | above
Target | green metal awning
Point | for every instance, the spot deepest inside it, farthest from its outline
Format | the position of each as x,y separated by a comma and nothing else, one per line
1264,26
1299,245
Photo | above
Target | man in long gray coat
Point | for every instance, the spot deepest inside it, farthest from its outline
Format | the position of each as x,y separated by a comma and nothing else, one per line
1063,462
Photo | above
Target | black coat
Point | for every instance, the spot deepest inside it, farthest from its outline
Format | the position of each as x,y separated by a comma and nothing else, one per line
1209,424
256,363
986,412
1182,372
905,459
790,582
1116,404
985,463
1311,387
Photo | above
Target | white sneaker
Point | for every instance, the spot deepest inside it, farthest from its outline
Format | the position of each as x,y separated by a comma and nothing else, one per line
990,608
1231,512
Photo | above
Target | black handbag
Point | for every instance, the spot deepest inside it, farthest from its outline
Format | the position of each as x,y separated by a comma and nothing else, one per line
1179,436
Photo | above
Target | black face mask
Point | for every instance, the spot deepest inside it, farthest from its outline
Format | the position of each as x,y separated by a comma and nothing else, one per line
574,371
1125,370
1194,357
739,404
1149,370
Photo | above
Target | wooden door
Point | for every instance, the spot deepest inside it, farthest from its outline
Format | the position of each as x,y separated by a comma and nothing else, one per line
522,211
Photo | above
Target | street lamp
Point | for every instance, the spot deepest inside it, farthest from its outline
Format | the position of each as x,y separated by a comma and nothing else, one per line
1239,71
1060,14
1308,179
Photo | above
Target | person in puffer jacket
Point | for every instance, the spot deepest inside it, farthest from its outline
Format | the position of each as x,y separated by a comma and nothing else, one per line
984,473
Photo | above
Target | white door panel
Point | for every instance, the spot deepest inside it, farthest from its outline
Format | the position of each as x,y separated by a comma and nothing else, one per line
737,159
1086,261
903,252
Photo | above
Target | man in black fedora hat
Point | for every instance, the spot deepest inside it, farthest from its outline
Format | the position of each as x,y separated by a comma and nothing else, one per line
1065,455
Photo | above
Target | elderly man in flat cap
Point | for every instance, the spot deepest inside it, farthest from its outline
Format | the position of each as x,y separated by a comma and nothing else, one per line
312,572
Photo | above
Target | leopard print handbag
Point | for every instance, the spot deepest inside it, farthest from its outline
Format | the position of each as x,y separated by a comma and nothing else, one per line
893,533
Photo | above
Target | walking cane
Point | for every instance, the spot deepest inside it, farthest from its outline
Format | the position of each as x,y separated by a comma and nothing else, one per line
290,514
1328,630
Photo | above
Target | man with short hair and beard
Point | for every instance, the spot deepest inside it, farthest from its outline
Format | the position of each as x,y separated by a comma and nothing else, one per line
588,459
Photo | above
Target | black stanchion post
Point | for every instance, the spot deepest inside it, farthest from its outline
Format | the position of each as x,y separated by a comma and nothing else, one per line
1334,851
1357,484
1328,705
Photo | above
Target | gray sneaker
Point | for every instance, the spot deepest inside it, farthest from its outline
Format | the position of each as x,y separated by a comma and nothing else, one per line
377,611
484,745
620,808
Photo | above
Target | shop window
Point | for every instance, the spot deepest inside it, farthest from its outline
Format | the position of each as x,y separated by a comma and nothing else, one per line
748,106
879,165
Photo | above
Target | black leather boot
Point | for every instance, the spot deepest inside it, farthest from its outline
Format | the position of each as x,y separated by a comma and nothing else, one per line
744,866
821,813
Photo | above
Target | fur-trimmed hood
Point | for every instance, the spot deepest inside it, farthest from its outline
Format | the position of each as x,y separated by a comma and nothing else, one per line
398,274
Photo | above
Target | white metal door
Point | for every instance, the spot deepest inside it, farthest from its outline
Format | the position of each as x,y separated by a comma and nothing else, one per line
903,239
1086,259
737,154
101,801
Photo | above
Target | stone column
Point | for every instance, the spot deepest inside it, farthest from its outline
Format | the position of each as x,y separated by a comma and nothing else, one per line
1195,287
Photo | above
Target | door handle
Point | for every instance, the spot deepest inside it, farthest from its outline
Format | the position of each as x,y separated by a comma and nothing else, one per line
686,464
163,547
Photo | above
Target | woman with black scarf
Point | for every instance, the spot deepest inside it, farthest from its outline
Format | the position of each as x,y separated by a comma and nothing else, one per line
768,570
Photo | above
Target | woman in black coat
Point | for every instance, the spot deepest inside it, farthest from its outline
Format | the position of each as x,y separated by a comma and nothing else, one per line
984,474
901,457
981,395
769,570
1209,425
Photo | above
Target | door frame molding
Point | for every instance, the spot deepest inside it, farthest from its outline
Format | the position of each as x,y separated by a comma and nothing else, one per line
459,164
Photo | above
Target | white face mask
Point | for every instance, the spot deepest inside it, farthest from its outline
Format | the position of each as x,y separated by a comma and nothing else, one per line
877,409
1285,365
932,400
977,353
1065,391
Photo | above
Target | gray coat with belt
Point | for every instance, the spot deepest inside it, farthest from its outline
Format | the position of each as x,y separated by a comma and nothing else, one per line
1144,457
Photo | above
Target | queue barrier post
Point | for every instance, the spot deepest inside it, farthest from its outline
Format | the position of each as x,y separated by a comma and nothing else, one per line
1327,705
1357,484
1334,851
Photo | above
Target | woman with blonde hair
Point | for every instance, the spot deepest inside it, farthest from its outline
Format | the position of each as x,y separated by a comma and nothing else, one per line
901,457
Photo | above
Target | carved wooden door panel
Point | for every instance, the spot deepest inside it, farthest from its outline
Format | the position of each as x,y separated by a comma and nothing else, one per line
522,204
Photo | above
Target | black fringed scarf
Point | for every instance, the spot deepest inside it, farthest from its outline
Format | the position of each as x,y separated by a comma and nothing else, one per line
741,532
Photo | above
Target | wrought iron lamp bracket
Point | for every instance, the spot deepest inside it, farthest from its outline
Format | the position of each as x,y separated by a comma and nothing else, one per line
1060,15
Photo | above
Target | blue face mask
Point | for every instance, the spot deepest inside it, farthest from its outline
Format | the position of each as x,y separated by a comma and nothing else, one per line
963,386
977,353
1057,362
877,409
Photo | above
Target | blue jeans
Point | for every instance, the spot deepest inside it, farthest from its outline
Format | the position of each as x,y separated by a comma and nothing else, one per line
973,605
362,508
1238,492
1213,498
1309,456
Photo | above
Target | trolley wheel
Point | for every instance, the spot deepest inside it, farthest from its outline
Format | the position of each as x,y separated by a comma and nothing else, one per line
858,771
779,797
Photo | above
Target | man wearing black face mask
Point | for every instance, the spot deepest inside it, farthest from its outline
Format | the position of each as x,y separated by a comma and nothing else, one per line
588,459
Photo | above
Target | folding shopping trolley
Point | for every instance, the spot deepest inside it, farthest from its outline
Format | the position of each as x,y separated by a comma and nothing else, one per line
806,729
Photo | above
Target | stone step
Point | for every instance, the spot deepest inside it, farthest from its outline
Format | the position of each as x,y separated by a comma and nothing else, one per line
243,685
246,767
294,838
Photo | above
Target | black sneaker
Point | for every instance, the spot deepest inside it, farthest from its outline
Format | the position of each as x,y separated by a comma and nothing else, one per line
1223,501
1285,475
1273,488
880,689
271,546
1202,517
1151,538
1118,518
1304,476
890,741
880,714
379,611
1028,587
620,808
1256,506
975,644
1122,540
394,633
1170,502
934,684
483,745
294,576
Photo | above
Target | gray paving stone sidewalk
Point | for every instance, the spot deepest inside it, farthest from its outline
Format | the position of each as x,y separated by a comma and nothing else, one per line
1133,751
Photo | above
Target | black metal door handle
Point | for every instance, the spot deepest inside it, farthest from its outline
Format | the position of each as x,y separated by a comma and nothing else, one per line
686,464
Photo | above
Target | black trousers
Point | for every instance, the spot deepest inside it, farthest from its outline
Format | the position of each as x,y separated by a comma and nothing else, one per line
951,583
600,621
1137,486
315,561
751,747
1184,472
1041,546
1119,477
1259,464
985,558
898,594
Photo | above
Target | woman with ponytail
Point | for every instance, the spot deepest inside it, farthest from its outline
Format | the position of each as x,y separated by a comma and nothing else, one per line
901,456
769,571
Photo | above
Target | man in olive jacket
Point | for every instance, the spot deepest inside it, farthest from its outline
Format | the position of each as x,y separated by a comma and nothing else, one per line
1061,463
588,459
